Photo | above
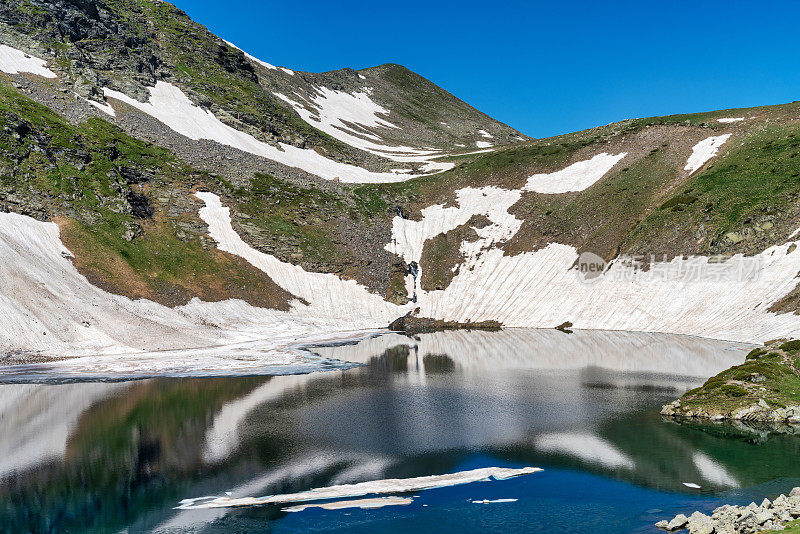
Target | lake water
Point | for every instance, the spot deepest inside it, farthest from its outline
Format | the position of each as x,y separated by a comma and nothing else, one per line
115,456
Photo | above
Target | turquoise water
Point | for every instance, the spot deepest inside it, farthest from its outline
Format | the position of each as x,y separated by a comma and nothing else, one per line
104,457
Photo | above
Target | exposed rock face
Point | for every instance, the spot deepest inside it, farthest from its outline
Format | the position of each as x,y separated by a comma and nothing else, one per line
749,519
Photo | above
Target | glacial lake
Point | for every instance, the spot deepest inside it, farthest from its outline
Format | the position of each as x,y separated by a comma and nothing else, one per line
583,407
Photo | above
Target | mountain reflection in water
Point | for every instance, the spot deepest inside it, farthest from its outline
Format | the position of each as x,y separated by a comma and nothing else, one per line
108,456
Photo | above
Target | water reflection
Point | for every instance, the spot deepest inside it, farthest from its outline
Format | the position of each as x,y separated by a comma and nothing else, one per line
104,457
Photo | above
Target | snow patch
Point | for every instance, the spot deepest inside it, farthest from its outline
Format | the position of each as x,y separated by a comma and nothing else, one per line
704,151
727,120
542,289
483,144
353,118
54,310
171,106
13,61
576,177
327,295
252,58
485,134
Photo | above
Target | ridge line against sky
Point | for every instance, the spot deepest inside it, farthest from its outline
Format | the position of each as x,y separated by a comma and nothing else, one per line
544,68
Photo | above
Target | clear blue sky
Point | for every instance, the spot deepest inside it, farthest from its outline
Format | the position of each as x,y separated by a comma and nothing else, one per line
542,67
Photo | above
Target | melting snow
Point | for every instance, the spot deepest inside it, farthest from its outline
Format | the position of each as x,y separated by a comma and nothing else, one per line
576,177
486,134
327,294
542,289
13,61
704,151
349,116
730,119
56,311
483,144
253,58
172,107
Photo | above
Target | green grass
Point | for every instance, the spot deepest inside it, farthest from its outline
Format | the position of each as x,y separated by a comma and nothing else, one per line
757,183
769,374
83,175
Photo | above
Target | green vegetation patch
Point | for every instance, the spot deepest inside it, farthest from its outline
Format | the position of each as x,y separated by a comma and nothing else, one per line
123,206
770,375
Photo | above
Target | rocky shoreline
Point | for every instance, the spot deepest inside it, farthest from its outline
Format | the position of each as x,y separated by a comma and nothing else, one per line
765,389
750,519
759,412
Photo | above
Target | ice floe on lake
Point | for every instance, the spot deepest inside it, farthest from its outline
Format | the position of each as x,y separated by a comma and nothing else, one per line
374,487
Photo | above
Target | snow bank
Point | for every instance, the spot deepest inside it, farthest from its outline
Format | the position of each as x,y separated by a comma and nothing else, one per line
576,177
252,58
542,289
730,119
171,106
355,119
483,144
13,61
328,296
485,134
53,310
375,487
704,151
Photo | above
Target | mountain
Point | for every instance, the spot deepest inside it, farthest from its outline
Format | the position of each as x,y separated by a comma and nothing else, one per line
163,189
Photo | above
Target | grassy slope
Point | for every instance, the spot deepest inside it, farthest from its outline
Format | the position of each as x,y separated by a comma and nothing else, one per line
771,373
83,176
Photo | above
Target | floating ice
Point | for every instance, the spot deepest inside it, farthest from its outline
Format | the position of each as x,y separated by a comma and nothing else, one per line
364,504
375,487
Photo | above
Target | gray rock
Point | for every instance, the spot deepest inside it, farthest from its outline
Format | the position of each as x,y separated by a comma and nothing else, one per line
677,523
662,524
700,523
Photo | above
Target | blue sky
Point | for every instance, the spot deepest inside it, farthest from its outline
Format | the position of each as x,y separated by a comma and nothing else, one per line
542,67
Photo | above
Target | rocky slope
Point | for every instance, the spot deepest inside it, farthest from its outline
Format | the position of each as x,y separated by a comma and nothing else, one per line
375,186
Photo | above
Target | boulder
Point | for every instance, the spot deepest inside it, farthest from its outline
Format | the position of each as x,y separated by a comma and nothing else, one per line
677,523
700,523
